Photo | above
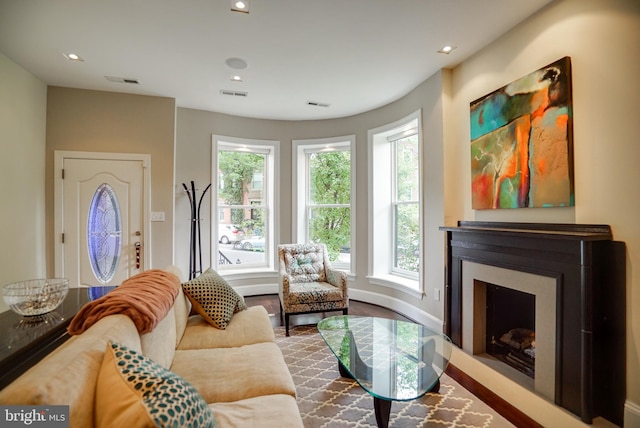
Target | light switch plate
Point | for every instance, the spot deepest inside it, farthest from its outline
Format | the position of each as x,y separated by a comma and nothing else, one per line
157,216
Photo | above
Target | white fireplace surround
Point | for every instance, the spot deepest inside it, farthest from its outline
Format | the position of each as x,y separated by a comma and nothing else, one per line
474,275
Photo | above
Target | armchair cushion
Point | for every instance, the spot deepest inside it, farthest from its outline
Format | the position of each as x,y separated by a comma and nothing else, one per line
305,265
313,292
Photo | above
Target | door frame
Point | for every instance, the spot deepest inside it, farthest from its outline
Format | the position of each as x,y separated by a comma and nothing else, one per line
58,208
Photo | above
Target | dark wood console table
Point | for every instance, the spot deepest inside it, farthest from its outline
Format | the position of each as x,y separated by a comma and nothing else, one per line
26,340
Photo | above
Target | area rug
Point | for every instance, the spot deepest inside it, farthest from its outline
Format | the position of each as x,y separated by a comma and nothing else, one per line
327,400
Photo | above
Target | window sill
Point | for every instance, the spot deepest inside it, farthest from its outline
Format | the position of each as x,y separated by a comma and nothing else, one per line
405,285
251,273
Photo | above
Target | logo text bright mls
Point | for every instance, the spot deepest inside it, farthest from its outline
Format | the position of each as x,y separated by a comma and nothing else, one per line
40,416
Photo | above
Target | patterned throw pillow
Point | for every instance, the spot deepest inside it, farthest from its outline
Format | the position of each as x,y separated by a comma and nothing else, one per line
213,298
134,391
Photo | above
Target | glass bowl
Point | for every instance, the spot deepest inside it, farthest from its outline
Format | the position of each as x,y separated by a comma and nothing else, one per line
35,296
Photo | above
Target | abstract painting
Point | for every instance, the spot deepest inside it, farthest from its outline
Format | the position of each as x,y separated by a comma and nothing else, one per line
522,142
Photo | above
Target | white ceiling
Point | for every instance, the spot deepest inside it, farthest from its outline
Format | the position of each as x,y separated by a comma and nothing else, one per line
355,55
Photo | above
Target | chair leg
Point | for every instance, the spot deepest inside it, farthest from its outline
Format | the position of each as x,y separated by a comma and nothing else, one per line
345,311
286,324
281,313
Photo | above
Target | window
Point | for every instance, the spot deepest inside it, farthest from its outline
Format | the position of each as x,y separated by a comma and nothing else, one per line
245,200
323,195
104,232
395,202
256,184
406,202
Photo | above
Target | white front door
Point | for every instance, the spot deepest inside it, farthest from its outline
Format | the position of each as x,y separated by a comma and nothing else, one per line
102,241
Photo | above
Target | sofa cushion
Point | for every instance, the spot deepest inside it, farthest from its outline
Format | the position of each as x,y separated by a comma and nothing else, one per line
267,411
134,391
158,344
245,328
182,308
213,298
230,374
69,374
182,305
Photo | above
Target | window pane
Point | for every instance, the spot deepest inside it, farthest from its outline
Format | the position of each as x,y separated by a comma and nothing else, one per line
251,250
104,233
407,237
407,169
242,202
330,178
332,227
238,171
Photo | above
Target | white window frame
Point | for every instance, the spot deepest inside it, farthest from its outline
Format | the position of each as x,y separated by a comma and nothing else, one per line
300,149
271,186
392,140
381,197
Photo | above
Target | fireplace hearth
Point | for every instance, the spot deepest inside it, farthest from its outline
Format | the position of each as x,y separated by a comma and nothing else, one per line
576,274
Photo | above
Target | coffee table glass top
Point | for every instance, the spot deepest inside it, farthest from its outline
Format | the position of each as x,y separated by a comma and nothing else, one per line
390,359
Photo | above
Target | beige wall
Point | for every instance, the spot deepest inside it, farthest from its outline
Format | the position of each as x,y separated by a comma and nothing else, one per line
193,162
22,181
602,38
94,121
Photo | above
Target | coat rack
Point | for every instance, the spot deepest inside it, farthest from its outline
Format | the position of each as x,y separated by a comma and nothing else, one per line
195,239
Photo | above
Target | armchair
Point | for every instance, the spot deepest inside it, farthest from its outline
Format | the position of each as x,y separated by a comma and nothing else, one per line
308,283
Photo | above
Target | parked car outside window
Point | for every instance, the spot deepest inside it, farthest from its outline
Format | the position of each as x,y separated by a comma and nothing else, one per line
254,243
229,233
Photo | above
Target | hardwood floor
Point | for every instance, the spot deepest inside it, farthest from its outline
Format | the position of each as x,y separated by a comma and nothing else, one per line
513,415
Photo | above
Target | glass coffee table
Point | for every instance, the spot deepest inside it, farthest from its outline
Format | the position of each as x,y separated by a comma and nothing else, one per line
391,360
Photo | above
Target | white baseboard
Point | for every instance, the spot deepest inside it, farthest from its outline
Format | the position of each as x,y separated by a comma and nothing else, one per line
397,305
631,414
361,295
256,289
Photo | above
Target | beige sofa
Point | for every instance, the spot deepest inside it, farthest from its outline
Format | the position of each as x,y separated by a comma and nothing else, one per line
240,372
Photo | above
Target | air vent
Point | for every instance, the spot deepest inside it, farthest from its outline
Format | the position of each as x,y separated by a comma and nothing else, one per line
233,93
317,104
122,80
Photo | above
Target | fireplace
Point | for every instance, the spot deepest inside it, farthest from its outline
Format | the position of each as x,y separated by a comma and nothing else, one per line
510,324
477,283
575,276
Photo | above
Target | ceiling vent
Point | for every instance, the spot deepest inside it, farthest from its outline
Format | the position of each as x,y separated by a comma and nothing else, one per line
122,80
233,93
317,104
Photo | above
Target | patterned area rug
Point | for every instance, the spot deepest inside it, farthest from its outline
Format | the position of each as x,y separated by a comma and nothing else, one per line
327,400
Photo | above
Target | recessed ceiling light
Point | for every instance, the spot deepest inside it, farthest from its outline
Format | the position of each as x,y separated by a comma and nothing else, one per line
447,49
236,63
72,57
236,78
240,6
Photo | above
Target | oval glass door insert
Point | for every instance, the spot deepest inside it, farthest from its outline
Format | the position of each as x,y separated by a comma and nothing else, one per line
104,233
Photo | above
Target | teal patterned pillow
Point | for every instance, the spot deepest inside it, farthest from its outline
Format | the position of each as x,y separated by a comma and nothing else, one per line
213,298
133,390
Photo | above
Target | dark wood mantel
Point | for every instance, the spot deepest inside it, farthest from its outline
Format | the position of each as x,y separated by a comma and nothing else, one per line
589,269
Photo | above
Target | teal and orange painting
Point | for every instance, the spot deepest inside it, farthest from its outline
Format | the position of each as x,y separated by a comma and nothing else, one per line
522,142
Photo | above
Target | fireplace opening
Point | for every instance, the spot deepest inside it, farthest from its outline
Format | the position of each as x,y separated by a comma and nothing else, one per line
510,327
